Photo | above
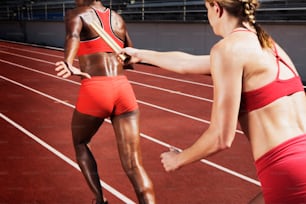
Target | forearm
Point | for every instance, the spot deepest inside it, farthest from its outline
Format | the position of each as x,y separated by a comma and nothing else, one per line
207,145
176,61
161,59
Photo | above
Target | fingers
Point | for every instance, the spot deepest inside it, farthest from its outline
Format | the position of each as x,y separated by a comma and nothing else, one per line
62,70
131,53
119,58
59,66
169,159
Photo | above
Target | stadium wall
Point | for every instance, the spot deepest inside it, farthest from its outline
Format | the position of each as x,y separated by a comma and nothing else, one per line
195,38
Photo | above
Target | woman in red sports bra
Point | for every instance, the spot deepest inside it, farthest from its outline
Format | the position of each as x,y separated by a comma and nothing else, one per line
104,92
256,82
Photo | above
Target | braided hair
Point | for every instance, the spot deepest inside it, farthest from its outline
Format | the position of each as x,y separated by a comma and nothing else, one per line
245,11
249,7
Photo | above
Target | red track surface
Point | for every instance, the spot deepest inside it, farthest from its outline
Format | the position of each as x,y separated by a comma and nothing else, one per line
37,164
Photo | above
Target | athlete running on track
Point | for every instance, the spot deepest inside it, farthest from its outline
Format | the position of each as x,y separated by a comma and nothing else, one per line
104,92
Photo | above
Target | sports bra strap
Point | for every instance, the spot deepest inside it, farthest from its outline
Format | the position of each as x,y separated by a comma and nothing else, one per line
279,59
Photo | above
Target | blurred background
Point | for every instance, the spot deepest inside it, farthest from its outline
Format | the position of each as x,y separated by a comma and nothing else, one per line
155,24
148,10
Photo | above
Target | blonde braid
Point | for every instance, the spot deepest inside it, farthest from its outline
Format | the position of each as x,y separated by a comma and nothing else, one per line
249,7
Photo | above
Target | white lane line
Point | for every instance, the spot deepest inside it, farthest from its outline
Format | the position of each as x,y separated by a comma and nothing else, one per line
65,158
32,45
209,163
136,71
172,91
171,78
61,49
143,135
37,71
34,52
132,82
140,84
139,101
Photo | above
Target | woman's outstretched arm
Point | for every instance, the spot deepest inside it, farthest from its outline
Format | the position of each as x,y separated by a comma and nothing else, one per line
175,61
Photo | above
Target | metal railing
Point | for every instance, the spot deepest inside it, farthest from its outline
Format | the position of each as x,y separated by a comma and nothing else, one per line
150,10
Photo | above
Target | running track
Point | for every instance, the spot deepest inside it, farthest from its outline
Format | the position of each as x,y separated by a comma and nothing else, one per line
37,164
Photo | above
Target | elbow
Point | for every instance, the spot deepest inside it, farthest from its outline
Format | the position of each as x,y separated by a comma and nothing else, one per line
73,36
224,146
182,69
224,143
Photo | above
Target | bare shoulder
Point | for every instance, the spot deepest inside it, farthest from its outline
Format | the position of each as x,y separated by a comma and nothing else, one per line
116,16
117,21
226,48
230,54
241,44
118,25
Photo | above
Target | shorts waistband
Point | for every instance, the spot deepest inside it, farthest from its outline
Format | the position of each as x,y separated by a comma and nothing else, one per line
103,78
280,151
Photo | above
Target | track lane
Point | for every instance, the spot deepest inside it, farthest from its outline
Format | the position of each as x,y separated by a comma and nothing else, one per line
164,118
156,161
41,117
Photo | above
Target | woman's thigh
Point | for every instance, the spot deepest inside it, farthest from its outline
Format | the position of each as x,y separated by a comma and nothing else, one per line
84,126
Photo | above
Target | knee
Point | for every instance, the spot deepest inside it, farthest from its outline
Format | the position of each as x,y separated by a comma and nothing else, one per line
131,166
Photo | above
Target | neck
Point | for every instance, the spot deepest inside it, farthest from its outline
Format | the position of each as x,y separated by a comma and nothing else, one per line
238,27
97,3
228,24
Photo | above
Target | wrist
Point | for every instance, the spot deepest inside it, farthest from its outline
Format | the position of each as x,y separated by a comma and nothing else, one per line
68,66
179,160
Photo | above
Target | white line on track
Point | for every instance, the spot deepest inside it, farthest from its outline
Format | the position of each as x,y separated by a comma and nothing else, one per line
132,82
209,163
34,52
171,91
136,71
141,134
61,49
65,158
171,78
139,101
158,107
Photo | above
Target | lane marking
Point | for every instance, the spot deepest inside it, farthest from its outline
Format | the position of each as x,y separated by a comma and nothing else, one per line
61,49
171,78
136,71
224,169
209,163
139,101
172,91
65,158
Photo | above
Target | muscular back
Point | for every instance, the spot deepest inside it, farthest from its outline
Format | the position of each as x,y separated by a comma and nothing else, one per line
96,64
281,119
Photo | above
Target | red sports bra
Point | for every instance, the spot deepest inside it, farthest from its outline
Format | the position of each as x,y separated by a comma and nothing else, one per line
98,44
258,98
